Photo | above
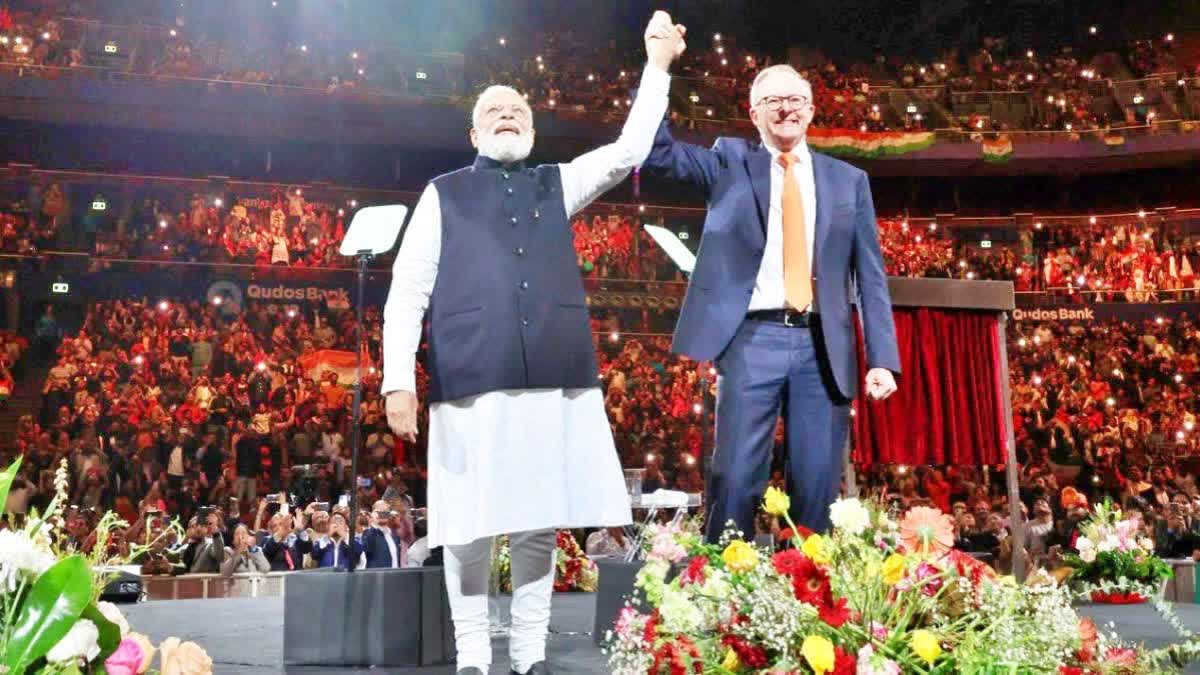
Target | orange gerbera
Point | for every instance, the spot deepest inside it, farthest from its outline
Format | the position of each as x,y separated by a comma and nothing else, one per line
1089,639
926,530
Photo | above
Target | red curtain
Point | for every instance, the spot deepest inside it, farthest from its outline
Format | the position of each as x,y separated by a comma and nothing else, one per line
948,409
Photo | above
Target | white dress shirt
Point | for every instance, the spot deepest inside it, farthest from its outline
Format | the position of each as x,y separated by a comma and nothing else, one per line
768,287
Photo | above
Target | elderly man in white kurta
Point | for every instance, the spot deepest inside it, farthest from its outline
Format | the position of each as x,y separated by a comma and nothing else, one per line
519,442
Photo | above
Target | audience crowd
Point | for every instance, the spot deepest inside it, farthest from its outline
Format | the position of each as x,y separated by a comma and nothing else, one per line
575,72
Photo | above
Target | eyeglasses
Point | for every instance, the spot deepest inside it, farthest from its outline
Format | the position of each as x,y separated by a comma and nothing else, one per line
776,102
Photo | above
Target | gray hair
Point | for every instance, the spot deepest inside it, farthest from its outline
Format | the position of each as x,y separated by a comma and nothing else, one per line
478,109
779,68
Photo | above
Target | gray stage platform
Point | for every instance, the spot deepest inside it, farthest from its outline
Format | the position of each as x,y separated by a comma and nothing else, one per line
245,635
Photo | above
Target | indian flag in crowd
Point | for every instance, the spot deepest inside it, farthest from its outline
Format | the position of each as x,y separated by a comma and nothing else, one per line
997,149
316,364
868,144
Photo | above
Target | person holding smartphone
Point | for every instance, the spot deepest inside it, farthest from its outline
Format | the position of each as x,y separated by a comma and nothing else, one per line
333,549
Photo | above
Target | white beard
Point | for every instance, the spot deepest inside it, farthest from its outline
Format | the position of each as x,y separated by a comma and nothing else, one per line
506,148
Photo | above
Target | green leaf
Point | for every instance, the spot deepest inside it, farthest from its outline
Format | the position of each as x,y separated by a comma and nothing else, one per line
110,633
52,606
6,480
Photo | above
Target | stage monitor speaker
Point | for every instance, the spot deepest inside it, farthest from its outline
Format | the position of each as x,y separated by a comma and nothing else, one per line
388,617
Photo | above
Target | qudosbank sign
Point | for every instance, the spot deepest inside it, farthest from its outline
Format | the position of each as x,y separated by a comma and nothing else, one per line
1107,311
283,292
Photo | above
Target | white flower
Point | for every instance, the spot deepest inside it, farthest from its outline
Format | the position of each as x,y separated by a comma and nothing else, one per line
20,555
113,614
82,641
1146,543
849,516
1088,555
1083,543
1109,543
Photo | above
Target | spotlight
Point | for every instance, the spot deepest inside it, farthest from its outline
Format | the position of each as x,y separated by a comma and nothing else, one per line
502,42
1037,379
720,50
1037,225
709,112
697,408
971,275
1093,30
1141,213
1116,372
162,224
361,72
1111,401
217,300
933,227
1029,54
261,366
138,360
46,35
1170,37
1029,77
218,202
613,337
591,77
298,192
1158,320
353,203
1081,280
1092,220
341,212
689,460
649,457
304,48
724,62
1178,378
716,37
164,306
962,264
291,313
641,208
1022,342
1071,360
712,371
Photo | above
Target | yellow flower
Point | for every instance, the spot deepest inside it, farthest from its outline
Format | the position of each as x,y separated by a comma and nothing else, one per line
816,548
731,662
926,645
740,556
818,651
147,650
893,569
776,502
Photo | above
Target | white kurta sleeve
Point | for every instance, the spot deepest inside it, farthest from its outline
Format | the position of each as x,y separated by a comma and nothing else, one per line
413,276
594,173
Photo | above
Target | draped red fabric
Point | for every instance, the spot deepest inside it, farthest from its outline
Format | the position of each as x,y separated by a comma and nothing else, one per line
948,409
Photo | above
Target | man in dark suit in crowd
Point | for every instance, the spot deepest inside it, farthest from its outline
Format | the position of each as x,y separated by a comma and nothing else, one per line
382,548
286,542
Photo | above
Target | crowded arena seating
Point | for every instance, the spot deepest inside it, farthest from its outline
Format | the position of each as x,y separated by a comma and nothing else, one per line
997,86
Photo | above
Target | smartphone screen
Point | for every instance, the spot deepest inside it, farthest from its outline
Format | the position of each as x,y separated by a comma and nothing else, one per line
344,500
283,508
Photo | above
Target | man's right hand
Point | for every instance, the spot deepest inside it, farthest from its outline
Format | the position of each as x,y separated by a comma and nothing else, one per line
664,40
402,414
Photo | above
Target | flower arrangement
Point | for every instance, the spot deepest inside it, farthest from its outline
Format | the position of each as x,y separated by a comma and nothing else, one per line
1111,563
51,620
876,596
574,571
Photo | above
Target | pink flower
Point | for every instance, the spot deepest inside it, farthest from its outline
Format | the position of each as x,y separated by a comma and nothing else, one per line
127,660
879,631
1121,656
666,548
927,571
625,621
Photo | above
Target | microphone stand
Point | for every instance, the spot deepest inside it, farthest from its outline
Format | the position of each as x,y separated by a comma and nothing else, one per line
362,260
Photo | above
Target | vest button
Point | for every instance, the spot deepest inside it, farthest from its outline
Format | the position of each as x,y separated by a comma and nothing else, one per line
523,285
505,174
508,190
513,220
524,321
519,251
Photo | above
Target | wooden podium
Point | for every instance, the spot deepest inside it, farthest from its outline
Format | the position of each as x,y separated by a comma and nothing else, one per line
961,297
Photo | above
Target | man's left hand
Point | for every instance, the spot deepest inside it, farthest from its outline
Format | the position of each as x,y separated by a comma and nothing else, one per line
880,383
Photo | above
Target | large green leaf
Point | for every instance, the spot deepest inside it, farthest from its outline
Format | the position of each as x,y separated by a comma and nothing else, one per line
110,633
6,480
54,603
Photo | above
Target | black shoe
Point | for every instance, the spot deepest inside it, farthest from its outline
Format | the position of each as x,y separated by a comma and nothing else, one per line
470,671
539,668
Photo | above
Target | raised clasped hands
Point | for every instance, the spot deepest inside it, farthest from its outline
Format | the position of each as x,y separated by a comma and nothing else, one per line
664,40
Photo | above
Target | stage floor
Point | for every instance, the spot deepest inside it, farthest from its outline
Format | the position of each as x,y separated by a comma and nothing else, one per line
245,635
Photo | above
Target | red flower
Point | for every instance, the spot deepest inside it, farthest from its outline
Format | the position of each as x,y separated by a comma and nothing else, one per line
651,630
835,614
843,663
810,583
750,655
695,572
1070,670
1121,656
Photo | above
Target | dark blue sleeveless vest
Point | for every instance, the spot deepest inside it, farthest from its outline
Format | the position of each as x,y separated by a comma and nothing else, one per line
508,309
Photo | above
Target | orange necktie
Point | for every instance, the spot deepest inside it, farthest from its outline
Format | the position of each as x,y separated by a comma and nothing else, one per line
797,271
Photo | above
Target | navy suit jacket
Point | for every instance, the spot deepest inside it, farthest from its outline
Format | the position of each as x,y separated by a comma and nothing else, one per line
322,552
735,176
376,551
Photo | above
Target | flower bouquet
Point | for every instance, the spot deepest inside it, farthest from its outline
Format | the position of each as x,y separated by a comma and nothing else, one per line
1111,564
51,621
878,595
573,570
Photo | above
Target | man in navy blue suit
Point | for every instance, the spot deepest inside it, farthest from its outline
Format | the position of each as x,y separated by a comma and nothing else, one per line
789,243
